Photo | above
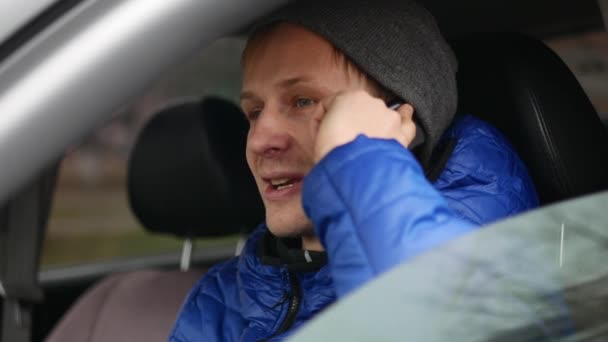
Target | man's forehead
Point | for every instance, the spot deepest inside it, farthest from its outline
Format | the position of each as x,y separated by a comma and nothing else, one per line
289,55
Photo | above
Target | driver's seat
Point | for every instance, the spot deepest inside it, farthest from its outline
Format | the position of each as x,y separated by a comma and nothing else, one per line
523,88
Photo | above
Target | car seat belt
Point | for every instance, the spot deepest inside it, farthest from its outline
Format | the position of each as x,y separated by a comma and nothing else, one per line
22,226
439,159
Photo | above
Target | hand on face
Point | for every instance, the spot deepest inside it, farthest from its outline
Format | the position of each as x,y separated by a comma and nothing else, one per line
343,116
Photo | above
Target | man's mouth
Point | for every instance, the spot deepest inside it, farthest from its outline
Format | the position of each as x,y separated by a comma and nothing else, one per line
282,183
282,187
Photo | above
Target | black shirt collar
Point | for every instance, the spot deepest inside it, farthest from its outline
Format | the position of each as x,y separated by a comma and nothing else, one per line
289,252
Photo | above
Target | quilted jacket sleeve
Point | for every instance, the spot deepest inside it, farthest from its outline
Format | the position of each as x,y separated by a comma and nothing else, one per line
372,208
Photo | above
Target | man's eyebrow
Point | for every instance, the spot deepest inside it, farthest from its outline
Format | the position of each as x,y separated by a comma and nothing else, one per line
294,80
248,95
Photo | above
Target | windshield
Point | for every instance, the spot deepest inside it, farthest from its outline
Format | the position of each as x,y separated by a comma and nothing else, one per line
541,275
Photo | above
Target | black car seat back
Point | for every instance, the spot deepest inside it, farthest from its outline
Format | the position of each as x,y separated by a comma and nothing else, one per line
188,175
524,89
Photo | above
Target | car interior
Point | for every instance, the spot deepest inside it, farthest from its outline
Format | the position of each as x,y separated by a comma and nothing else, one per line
187,175
523,89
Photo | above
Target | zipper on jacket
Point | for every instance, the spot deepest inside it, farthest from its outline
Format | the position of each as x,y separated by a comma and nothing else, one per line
294,306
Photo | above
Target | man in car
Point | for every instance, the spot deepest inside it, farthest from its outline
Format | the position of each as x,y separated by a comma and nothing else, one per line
351,187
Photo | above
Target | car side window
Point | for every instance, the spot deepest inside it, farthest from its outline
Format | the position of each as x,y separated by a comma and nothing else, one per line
90,220
586,54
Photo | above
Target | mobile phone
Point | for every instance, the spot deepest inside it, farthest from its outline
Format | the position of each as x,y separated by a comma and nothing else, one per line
419,138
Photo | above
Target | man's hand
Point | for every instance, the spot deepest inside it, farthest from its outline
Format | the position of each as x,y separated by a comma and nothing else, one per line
344,116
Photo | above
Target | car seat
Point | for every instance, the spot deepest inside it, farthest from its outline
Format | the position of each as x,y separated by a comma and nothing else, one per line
188,178
524,89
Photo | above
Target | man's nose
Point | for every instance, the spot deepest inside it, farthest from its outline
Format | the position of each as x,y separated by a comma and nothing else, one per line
269,135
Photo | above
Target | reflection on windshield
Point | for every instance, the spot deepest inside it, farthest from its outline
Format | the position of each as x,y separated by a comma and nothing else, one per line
588,308
523,279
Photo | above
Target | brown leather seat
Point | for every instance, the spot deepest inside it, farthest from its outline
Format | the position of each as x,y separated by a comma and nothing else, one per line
134,306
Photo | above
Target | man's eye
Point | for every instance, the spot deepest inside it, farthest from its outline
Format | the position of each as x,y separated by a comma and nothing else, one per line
304,102
253,114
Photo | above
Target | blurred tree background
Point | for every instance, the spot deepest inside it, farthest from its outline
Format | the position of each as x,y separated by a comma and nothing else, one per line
91,219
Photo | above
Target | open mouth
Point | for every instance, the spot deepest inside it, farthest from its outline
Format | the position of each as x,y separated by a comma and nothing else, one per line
281,187
282,183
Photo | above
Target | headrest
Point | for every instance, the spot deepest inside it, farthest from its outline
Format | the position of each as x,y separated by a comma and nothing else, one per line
188,175
523,88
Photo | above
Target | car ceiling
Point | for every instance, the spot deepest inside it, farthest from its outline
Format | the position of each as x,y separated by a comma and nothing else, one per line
540,18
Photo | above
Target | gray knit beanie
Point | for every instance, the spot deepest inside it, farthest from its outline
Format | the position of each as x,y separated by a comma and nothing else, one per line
398,44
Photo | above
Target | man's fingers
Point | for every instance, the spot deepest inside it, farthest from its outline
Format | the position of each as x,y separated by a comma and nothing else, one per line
315,123
407,111
408,128
342,117
317,117
327,101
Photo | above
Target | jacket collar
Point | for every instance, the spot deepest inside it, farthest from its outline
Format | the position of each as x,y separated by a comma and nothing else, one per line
288,252
264,286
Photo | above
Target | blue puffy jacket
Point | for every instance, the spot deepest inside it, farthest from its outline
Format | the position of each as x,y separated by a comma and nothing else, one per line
372,208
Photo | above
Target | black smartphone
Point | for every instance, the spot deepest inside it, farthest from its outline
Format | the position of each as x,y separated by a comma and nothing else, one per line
419,138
